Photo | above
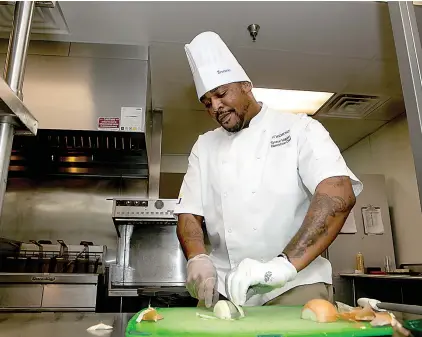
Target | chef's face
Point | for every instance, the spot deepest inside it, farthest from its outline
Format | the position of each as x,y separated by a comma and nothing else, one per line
229,104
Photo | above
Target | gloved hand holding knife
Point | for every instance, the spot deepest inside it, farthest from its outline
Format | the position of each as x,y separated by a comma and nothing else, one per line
202,279
252,277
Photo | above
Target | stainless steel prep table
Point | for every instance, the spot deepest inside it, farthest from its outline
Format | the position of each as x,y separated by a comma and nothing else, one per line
404,284
48,324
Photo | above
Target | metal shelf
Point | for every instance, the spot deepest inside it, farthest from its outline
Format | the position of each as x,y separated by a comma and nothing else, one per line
12,110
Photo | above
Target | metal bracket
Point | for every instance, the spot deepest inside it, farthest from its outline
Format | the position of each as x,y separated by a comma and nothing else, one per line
409,55
154,154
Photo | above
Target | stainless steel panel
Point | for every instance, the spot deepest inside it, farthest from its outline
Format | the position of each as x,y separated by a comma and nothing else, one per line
123,245
21,295
18,45
72,92
69,209
48,48
156,256
409,56
48,278
59,324
13,109
132,209
14,73
154,155
109,51
6,141
70,296
36,47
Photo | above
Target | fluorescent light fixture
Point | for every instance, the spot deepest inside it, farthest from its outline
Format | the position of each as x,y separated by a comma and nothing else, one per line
295,101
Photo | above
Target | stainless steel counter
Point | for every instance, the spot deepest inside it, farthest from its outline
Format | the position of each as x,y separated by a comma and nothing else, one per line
363,286
387,277
48,324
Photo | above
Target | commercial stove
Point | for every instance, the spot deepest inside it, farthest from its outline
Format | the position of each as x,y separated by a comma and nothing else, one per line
149,260
42,276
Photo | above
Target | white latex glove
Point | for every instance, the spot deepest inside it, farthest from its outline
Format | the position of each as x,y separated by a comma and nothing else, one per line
363,302
261,277
202,279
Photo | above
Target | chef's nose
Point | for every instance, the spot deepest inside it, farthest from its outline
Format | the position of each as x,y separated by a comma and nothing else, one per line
216,104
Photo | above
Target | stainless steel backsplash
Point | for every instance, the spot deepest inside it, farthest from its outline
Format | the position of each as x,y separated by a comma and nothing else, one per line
69,209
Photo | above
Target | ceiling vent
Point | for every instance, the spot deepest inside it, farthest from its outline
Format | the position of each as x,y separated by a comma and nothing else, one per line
351,106
47,18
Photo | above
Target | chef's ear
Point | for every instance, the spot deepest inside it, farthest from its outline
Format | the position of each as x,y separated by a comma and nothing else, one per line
246,87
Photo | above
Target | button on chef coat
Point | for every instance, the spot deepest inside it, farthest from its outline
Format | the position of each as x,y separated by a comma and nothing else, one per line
254,187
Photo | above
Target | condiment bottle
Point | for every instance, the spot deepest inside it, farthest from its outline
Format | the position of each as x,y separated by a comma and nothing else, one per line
360,266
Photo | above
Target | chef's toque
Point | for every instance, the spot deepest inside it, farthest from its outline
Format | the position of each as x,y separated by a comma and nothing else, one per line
212,63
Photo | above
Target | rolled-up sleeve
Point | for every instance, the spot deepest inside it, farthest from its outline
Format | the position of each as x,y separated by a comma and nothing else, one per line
319,157
190,196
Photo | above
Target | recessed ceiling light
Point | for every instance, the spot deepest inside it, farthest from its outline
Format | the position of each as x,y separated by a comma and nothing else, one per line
295,101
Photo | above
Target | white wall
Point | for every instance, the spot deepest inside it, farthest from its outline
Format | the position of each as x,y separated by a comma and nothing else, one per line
388,152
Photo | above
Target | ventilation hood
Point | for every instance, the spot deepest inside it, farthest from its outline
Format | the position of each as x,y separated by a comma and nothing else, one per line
93,105
47,18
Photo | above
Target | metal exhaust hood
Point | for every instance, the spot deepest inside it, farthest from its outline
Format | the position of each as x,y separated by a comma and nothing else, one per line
93,104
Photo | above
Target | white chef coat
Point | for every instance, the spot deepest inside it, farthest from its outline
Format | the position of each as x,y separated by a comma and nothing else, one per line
254,187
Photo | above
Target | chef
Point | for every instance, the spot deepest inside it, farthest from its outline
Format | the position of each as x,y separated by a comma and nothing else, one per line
272,187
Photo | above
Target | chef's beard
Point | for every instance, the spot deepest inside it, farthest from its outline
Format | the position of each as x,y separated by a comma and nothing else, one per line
240,124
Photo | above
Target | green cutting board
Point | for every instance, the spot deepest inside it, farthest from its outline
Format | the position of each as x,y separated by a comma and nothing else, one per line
268,321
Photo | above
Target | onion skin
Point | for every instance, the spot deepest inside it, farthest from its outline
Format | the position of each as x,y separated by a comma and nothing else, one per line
382,319
320,311
359,314
150,314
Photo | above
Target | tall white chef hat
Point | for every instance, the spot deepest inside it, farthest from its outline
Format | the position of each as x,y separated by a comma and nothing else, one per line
212,63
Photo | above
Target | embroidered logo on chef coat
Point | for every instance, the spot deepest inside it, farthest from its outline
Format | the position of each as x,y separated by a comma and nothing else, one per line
281,139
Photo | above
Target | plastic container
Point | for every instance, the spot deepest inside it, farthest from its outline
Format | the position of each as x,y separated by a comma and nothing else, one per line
414,326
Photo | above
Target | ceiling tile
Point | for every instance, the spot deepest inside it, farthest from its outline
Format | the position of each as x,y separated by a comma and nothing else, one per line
107,21
286,70
389,110
340,28
175,21
377,78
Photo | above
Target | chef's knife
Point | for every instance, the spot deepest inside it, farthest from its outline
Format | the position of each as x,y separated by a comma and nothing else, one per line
380,306
406,308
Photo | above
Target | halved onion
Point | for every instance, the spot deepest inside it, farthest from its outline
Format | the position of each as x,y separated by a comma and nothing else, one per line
320,311
226,310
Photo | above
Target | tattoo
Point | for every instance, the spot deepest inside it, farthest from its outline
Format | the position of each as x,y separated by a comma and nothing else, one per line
323,207
192,232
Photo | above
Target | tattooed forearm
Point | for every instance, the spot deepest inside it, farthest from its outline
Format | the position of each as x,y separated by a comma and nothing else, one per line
329,208
190,234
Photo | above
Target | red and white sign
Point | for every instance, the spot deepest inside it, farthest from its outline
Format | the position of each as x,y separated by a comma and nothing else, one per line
108,123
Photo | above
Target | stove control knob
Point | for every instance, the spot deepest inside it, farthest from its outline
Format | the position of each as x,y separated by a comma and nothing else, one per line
159,204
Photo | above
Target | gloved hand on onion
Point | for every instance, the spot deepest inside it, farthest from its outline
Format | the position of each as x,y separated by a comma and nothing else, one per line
252,277
202,280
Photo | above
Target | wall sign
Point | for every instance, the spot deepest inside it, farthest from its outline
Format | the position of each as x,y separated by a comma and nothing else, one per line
108,123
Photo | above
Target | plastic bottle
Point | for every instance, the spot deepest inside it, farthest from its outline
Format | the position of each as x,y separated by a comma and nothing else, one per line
360,265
